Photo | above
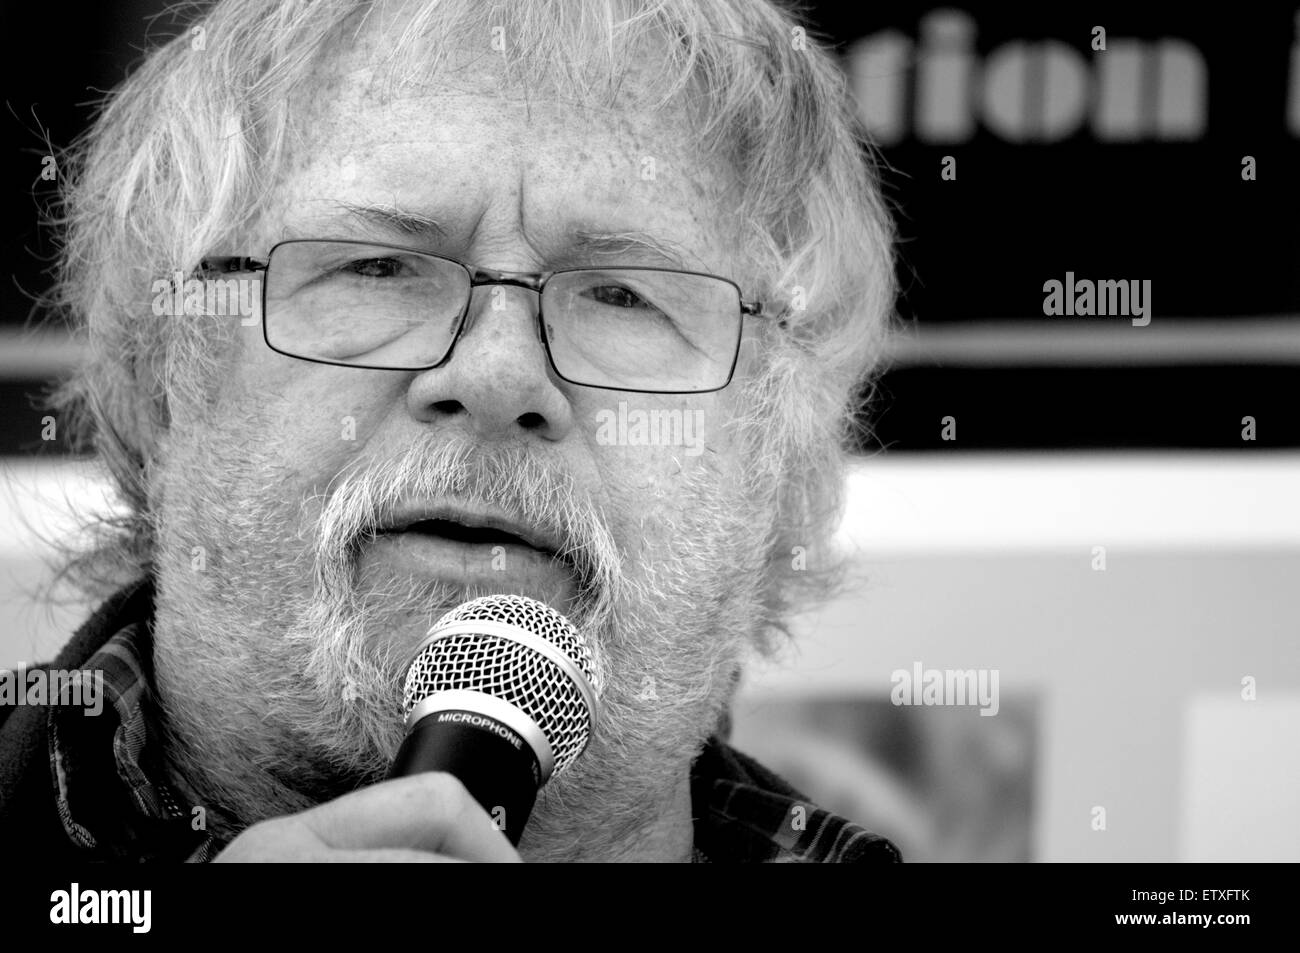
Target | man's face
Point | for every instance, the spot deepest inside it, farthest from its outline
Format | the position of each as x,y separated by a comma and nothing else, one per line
280,649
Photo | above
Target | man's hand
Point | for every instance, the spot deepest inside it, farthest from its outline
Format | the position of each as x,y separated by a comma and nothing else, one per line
424,818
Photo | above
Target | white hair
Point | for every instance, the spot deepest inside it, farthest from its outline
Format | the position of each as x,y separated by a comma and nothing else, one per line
179,159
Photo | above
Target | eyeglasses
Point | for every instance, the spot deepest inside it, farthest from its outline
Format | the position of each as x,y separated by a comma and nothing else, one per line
385,307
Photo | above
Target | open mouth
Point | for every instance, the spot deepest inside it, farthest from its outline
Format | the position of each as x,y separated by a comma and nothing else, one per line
478,547
463,533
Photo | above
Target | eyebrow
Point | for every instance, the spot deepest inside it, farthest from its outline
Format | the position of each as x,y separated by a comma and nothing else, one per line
393,219
588,246
585,246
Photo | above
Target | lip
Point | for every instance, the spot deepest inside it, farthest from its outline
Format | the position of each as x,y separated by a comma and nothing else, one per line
409,512
531,567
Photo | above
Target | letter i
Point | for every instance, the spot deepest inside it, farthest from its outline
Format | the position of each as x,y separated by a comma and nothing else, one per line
1293,95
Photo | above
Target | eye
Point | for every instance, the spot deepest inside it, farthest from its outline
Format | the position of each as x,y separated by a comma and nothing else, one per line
617,296
374,267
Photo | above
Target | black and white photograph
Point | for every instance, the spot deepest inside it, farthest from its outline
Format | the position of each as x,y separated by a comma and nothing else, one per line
653,431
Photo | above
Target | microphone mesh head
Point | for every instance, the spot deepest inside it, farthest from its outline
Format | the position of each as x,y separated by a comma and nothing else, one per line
505,669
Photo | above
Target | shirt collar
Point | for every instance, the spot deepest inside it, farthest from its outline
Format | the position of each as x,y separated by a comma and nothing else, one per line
112,794
745,813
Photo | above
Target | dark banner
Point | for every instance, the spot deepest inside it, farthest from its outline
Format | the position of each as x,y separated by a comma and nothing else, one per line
1096,206
1155,145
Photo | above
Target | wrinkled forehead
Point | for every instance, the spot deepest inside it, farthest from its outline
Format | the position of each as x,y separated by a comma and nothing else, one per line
635,83
402,113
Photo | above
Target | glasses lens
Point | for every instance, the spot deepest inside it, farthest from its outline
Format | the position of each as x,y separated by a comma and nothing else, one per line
355,303
642,329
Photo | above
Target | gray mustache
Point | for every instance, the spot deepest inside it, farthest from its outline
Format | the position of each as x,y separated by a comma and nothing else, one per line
511,480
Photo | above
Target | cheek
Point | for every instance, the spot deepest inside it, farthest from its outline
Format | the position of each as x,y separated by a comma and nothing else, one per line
652,435
651,455
307,420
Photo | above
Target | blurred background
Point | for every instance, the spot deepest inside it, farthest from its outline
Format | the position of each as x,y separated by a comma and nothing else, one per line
1104,515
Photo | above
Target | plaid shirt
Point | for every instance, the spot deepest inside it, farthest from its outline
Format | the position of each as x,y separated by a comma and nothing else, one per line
114,801
151,819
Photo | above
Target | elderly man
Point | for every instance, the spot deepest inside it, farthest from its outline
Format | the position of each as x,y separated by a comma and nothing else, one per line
488,243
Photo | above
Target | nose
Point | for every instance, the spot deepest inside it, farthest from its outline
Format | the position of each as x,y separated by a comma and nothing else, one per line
498,382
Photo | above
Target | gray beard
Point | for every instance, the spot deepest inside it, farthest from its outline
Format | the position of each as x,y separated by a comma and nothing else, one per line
274,699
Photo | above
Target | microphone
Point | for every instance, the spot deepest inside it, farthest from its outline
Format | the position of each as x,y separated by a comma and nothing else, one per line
500,694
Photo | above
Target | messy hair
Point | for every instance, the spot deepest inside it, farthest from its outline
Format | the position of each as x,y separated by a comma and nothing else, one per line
180,157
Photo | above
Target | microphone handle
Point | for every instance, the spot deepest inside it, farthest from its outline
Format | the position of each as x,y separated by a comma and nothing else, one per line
497,767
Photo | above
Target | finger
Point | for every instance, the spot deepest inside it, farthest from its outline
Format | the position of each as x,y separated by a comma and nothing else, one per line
387,855
429,812
278,840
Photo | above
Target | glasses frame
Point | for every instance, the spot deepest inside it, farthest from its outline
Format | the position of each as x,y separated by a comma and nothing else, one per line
534,281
